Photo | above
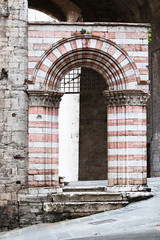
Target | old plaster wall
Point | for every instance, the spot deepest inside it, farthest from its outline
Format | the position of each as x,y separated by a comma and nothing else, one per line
69,137
13,108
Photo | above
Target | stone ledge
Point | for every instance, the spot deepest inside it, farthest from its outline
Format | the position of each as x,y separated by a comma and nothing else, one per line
38,190
128,188
113,24
87,197
137,196
82,207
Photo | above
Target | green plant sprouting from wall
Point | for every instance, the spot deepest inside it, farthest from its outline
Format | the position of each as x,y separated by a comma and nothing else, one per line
149,35
83,31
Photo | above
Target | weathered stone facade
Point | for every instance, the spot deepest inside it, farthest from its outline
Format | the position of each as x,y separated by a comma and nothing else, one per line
129,62
13,108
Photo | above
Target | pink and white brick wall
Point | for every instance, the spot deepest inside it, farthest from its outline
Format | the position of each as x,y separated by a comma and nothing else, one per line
127,134
119,52
43,139
132,39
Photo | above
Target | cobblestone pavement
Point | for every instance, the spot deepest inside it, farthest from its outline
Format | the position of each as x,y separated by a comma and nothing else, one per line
140,220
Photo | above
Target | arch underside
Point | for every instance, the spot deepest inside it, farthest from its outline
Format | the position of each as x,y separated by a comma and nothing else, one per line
97,53
63,10
117,11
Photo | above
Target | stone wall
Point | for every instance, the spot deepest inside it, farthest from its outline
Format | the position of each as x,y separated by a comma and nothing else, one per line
14,99
8,211
30,205
13,108
154,127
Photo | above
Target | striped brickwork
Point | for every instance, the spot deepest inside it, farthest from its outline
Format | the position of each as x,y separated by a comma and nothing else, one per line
120,55
126,126
43,142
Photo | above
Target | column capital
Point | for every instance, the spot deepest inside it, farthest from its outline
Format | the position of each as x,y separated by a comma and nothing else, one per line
126,98
39,98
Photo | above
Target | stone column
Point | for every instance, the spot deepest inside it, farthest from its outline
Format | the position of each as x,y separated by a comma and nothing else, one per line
43,141
126,127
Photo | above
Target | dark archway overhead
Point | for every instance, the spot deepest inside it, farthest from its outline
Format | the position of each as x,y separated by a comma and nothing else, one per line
115,10
131,11
99,10
63,10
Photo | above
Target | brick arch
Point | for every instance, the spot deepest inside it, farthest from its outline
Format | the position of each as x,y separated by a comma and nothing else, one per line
98,53
126,110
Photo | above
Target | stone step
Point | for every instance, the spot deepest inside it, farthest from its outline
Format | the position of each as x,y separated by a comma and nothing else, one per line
84,188
86,197
82,207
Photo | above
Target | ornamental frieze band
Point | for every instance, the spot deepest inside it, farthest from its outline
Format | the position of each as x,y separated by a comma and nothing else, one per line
44,98
126,98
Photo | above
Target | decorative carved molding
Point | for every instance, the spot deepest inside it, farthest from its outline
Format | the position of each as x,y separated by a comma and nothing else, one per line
39,98
126,98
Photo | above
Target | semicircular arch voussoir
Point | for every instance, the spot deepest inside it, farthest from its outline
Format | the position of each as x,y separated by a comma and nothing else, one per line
111,61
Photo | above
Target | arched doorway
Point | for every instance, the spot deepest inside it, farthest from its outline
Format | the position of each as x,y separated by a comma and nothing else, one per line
83,129
124,98
93,128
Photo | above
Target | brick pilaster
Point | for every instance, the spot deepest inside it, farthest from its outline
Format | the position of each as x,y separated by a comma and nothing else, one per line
127,163
43,138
